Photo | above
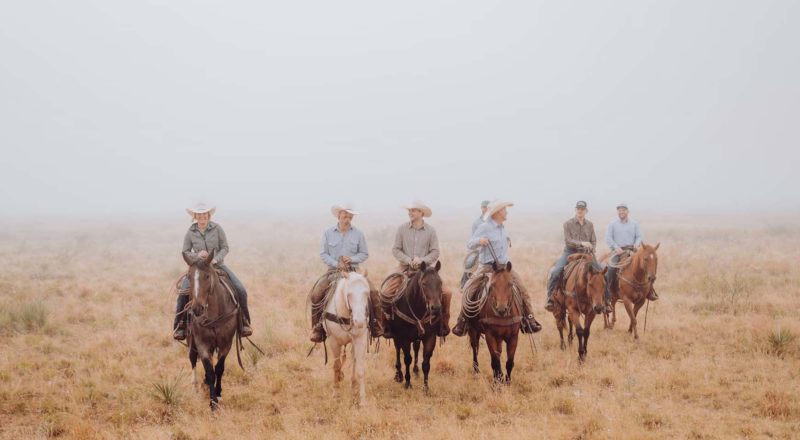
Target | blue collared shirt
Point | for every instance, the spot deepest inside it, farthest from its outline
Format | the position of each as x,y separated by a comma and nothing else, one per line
621,234
476,223
497,236
334,244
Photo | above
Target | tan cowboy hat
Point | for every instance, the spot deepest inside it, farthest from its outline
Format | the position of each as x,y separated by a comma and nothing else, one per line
201,208
336,209
494,207
416,204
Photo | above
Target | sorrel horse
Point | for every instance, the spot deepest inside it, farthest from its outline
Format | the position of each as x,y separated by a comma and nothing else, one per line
636,276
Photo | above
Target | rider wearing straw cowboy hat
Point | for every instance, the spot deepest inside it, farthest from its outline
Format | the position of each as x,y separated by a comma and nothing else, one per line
343,248
203,237
492,240
415,243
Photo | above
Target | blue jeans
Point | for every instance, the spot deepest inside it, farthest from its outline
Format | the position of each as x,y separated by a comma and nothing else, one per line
611,276
561,263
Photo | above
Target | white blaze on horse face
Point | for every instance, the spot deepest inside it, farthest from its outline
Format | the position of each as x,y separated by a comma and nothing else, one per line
196,283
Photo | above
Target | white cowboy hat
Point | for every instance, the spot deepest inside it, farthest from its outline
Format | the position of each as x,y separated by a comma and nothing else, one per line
416,204
336,209
201,208
494,207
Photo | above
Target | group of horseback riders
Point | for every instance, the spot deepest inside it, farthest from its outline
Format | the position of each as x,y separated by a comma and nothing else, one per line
344,248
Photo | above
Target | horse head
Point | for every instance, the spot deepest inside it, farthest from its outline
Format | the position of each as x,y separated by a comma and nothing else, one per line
430,284
355,290
202,278
502,289
595,287
647,260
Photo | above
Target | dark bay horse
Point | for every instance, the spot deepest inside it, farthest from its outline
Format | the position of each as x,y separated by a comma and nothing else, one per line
417,313
635,285
580,294
499,320
213,323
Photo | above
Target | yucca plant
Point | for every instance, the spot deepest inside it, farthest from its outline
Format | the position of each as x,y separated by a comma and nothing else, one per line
780,341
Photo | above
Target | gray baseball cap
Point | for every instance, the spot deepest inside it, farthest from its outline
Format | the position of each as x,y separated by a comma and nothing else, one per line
622,205
580,204
485,203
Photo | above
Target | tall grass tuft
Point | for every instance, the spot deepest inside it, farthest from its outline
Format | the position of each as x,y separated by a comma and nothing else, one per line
168,391
780,341
24,318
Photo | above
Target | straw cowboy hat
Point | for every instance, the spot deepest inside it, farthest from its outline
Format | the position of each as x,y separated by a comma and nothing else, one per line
416,204
495,207
201,208
336,209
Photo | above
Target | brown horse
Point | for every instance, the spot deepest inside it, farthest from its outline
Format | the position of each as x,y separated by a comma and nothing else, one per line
635,285
580,294
499,320
212,323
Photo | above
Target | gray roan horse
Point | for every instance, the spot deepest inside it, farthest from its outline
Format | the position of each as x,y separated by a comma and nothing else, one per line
213,323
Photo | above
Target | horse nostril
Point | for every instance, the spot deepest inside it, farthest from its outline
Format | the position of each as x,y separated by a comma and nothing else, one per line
598,309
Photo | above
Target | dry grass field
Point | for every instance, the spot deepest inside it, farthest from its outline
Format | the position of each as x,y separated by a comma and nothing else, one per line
86,351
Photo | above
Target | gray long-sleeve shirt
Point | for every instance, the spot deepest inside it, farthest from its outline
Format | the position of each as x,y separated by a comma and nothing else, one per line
575,233
410,242
213,238
334,244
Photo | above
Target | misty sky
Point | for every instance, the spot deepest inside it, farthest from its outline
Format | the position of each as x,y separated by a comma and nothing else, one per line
148,106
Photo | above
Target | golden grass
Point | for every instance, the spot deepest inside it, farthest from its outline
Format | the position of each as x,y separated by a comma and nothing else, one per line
86,352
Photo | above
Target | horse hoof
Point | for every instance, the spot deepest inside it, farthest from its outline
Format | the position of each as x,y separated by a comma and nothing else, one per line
476,370
408,385
563,346
398,378
214,405
426,390
416,371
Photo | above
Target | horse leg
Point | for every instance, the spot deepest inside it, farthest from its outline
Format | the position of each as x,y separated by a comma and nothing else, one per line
636,308
193,362
209,381
336,352
614,300
359,354
219,370
427,353
561,325
407,360
398,375
629,308
474,342
416,357
575,320
587,331
495,351
570,337
511,347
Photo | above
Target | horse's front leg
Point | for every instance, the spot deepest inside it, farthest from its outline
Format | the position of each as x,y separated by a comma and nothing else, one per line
629,308
416,357
398,374
209,381
219,370
427,353
638,305
474,342
575,320
561,324
587,331
511,346
193,362
407,359
359,355
338,361
495,347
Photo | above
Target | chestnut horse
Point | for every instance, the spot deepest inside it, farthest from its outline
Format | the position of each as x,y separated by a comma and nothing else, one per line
417,312
499,320
212,323
635,285
580,294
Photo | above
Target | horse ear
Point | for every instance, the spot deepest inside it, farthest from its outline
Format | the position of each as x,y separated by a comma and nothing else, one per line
438,265
210,257
494,266
641,245
508,266
188,260
655,248
423,266
605,269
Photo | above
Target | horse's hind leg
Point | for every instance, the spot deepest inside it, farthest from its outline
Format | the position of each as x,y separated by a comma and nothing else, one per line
416,357
398,374
474,342
427,353
219,370
570,337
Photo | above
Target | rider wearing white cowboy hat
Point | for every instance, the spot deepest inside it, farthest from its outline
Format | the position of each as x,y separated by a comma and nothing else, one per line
343,248
492,240
415,243
202,237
